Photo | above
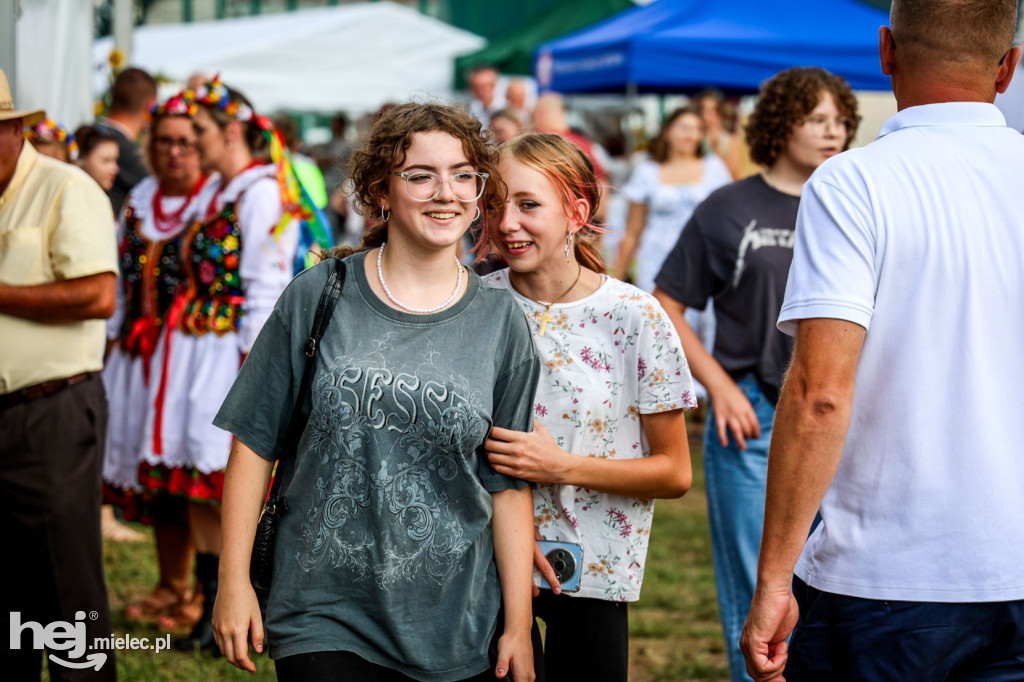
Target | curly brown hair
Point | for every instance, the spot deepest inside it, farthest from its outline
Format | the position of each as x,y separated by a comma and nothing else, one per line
785,101
385,148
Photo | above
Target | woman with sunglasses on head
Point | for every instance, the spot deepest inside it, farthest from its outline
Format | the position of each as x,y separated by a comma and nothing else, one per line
610,434
736,250
235,258
153,230
399,542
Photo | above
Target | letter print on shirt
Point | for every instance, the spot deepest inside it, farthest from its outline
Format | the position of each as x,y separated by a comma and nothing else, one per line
391,446
755,238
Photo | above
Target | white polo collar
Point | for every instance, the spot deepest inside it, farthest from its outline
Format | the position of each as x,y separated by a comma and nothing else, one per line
945,114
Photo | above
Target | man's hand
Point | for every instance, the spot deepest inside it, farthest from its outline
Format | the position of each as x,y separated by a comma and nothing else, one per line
772,617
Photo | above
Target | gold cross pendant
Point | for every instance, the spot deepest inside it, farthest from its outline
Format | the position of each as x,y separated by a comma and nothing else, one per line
544,319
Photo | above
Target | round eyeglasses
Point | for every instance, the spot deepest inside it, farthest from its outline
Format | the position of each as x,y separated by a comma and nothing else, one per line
821,124
425,185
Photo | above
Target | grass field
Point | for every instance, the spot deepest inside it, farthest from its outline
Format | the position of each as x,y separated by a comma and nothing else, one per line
674,628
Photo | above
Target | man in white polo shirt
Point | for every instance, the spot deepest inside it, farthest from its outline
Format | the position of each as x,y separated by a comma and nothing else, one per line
900,414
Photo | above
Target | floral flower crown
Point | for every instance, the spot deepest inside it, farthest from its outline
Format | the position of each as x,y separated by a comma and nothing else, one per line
49,130
215,95
178,105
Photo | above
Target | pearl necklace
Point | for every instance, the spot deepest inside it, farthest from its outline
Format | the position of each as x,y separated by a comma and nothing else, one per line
391,297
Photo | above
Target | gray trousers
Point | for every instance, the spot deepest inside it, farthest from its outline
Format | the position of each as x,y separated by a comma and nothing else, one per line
51,459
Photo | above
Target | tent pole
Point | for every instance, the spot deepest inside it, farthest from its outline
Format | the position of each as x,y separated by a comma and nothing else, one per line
631,95
123,21
8,39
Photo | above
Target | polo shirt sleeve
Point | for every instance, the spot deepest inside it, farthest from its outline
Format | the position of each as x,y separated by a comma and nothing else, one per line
834,273
82,239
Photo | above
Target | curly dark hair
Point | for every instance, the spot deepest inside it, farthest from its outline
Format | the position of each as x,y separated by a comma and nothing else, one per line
785,101
385,148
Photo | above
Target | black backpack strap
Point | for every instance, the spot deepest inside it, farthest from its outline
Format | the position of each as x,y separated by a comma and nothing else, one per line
300,414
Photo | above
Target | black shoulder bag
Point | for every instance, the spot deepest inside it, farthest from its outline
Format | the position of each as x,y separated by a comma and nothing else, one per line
261,564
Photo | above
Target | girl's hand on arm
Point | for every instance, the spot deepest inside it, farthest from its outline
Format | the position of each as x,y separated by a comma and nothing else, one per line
733,412
513,553
665,473
236,613
530,456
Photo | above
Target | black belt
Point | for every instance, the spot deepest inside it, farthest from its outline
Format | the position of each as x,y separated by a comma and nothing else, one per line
30,393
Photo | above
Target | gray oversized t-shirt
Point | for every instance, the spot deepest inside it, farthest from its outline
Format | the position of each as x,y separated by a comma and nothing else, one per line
386,547
737,248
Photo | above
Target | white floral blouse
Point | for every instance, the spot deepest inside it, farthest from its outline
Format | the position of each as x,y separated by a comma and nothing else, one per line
606,360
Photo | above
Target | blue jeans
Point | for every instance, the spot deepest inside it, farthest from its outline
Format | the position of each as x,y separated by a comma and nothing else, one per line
841,638
735,481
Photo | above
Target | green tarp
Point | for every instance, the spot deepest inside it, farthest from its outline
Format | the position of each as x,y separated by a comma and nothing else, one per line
512,52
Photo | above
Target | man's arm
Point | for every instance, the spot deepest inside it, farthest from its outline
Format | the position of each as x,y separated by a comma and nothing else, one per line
70,300
811,422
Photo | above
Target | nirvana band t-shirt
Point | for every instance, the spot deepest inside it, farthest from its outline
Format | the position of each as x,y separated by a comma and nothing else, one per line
737,248
385,549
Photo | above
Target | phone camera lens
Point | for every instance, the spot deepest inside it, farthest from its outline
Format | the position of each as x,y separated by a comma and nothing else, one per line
559,566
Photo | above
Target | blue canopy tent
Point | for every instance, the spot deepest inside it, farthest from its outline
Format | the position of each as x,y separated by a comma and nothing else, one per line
678,45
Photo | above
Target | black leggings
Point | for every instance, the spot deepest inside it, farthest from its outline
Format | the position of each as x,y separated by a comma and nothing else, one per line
345,666
586,639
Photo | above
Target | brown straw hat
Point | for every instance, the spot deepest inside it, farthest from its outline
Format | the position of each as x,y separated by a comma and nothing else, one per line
7,109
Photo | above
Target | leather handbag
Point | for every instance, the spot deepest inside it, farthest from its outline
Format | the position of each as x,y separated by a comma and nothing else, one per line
261,564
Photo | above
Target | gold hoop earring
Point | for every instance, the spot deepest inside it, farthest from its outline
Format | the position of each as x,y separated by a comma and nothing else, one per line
568,245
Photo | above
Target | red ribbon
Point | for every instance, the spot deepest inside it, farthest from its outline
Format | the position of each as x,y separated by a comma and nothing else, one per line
142,340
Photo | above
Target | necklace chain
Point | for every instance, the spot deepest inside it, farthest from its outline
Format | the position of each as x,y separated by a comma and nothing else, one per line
391,297
545,318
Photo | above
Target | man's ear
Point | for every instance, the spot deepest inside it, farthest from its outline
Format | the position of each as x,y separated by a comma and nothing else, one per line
1007,69
886,49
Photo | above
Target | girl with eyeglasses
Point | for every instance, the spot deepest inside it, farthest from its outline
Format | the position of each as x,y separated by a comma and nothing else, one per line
609,435
736,250
400,543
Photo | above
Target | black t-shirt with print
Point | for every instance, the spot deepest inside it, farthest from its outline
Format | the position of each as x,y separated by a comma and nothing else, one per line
736,249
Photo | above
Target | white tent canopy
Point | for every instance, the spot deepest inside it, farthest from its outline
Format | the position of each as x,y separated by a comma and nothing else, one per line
353,58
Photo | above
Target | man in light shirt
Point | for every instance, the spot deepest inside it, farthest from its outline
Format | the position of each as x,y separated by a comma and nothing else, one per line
58,264
899,416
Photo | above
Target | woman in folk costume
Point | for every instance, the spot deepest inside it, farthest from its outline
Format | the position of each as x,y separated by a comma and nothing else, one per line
238,257
153,230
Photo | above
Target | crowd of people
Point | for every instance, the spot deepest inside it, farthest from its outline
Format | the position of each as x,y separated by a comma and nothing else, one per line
471,441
